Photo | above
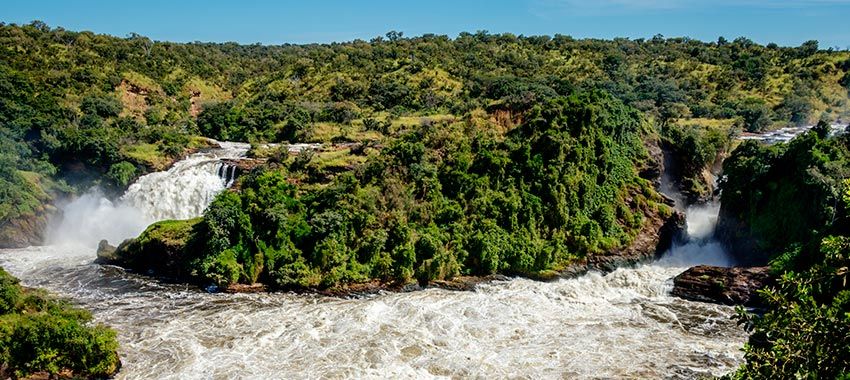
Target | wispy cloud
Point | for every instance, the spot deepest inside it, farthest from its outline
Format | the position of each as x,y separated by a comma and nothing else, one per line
544,6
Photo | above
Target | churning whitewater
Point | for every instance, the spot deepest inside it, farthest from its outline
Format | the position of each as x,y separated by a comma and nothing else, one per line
181,192
622,324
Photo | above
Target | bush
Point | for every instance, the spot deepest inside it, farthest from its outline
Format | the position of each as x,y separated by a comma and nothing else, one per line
121,174
39,334
104,107
806,331
340,112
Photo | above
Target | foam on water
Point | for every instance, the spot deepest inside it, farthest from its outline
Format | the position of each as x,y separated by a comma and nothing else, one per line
622,324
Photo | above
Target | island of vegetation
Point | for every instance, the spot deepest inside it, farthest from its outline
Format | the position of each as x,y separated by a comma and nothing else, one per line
439,201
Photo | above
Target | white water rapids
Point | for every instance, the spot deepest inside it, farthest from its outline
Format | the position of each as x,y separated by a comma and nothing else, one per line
623,324
181,192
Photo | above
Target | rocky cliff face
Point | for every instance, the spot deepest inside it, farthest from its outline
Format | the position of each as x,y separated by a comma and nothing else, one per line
738,239
655,238
26,230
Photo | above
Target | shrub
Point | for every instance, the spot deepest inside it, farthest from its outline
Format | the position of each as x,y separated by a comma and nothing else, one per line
121,174
39,334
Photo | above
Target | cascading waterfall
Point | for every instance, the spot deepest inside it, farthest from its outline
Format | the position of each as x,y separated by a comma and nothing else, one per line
181,192
700,248
185,190
621,324
227,172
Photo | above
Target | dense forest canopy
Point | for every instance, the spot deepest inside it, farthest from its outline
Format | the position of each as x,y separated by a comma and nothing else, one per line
91,108
791,202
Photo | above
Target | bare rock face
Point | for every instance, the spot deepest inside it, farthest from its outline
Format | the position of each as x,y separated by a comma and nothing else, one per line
654,166
654,239
26,230
730,286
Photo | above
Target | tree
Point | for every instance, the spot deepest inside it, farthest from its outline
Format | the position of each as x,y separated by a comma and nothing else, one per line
808,48
394,36
121,173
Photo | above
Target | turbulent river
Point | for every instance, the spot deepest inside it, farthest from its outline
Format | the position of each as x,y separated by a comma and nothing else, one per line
621,324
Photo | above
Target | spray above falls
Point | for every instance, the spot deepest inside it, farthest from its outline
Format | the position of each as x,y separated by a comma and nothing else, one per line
584,327
181,192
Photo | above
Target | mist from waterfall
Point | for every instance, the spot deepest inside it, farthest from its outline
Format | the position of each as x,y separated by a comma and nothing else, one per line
700,246
181,192
623,324
92,217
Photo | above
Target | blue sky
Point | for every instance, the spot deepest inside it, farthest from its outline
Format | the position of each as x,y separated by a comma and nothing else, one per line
787,22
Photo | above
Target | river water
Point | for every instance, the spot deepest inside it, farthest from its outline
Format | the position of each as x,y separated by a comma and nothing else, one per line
616,325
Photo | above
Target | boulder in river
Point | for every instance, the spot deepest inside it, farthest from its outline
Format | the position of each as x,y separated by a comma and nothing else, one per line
730,286
105,252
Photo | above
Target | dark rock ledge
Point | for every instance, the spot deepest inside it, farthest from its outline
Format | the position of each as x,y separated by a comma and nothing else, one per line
730,286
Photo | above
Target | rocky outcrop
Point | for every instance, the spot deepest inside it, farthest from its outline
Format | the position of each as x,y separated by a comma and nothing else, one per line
692,188
105,252
244,165
653,240
160,250
653,168
730,286
26,230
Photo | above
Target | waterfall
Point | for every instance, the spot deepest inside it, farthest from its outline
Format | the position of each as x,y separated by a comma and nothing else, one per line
181,192
622,324
700,247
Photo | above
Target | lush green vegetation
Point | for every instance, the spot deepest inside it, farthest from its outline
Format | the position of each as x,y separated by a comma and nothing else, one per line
785,194
805,332
439,201
39,334
88,108
792,199
479,154
695,148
